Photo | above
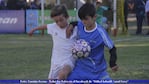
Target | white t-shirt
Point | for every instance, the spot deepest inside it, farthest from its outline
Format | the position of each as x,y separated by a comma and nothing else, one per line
147,6
61,45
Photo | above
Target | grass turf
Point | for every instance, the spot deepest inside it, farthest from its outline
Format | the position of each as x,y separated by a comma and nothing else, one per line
24,57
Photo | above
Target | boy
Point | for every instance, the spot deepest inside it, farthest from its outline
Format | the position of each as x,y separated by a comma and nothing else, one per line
94,66
62,61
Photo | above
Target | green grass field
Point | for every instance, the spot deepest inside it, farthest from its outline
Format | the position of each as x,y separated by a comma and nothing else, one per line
24,57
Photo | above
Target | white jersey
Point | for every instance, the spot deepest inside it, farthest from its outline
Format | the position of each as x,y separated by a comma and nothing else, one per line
61,52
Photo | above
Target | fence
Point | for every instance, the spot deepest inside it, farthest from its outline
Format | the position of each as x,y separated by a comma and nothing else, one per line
20,21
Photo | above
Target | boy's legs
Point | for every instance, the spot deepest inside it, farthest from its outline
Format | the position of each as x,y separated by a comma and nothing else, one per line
60,73
67,67
64,72
104,76
61,70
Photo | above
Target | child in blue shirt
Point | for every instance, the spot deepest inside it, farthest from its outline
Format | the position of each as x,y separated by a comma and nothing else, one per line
94,66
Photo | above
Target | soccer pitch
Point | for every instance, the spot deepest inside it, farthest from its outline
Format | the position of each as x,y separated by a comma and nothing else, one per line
24,57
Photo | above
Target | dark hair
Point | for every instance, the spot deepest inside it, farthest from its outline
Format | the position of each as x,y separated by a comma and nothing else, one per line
58,10
87,9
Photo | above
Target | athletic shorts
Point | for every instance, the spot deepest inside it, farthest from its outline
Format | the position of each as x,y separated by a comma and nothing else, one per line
55,68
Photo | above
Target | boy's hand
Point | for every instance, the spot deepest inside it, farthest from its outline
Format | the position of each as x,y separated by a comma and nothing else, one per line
31,32
69,31
114,68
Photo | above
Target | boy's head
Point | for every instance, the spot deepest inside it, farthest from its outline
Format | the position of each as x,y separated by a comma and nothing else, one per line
87,9
87,13
60,15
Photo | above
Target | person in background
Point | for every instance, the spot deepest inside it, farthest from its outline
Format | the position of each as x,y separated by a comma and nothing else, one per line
140,13
35,4
12,4
147,13
21,4
99,11
3,4
128,7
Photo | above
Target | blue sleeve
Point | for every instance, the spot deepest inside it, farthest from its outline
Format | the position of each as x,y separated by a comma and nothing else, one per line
80,25
106,38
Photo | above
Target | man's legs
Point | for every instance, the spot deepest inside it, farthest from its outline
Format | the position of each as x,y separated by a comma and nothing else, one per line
148,21
139,23
126,23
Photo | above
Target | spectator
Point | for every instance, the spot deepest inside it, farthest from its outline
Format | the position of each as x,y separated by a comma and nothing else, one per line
12,4
147,13
35,5
3,4
140,13
21,4
128,6
100,10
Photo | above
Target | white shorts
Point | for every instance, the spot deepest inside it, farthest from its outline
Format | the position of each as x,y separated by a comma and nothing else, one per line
55,68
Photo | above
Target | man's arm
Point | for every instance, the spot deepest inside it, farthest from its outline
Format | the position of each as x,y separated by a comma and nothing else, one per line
43,27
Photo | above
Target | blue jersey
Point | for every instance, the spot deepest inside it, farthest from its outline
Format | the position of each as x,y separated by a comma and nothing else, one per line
94,66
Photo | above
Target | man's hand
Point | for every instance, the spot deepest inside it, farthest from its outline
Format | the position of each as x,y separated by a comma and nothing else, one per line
69,31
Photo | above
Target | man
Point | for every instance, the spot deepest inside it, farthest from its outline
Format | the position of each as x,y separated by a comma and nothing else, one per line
140,13
147,13
128,6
